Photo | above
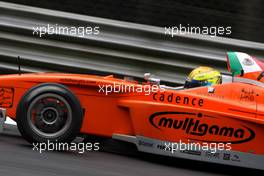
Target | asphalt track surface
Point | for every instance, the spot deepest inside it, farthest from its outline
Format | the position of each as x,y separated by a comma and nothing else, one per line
18,159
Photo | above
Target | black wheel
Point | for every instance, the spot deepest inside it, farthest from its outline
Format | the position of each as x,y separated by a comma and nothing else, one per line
49,112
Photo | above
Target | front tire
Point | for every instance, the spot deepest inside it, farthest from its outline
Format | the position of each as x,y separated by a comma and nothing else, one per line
49,112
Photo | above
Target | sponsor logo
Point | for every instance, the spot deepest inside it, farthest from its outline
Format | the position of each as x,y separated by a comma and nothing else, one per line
6,97
235,158
191,152
230,157
78,82
247,95
197,127
144,143
212,155
248,62
210,95
177,99
226,156
165,148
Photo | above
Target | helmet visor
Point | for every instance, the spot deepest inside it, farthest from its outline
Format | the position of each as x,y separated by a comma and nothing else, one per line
195,83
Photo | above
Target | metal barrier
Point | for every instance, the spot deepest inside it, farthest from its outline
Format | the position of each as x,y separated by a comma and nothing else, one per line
120,48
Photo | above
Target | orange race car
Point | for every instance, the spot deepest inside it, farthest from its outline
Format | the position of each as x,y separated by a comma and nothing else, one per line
174,121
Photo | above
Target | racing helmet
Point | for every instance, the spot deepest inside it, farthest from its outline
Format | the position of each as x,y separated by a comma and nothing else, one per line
203,76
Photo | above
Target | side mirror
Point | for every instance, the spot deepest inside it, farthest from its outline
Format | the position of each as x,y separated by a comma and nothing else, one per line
150,80
242,72
147,76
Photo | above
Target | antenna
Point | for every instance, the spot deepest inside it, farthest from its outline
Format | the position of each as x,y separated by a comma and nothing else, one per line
19,67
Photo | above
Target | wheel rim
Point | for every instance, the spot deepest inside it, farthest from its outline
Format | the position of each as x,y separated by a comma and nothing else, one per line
49,115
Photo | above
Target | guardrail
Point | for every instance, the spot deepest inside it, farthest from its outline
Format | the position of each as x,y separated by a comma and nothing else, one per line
121,48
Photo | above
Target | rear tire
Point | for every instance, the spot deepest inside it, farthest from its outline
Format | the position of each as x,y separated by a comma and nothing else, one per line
49,112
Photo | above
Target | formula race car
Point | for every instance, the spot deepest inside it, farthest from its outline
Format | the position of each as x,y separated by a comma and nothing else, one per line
156,118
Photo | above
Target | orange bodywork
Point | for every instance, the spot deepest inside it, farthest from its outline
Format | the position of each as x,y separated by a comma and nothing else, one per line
232,112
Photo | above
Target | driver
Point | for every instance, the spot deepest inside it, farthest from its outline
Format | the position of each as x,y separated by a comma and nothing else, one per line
203,76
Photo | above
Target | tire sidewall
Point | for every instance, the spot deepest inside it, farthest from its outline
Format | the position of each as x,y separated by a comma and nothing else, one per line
22,120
